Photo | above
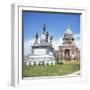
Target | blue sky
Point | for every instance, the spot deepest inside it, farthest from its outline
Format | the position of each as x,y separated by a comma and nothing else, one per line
56,23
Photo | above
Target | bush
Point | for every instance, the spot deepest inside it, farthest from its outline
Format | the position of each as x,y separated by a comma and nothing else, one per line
60,63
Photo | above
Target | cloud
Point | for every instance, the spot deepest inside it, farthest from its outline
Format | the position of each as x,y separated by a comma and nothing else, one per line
56,42
77,40
27,47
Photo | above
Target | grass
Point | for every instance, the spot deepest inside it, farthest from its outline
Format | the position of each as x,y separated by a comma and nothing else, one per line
57,70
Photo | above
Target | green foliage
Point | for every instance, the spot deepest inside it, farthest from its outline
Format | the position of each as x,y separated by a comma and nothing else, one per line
50,70
60,63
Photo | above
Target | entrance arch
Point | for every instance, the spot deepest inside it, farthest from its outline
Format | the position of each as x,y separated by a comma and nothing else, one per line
67,54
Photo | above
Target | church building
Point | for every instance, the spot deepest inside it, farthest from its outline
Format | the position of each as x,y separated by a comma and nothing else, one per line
42,51
68,50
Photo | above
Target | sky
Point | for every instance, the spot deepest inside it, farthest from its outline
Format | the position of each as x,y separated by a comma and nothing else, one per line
56,25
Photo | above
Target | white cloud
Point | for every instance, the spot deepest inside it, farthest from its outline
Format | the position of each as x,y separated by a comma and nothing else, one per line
77,40
29,43
27,46
56,42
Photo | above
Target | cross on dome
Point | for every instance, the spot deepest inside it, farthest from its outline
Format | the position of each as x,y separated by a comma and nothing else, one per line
68,30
